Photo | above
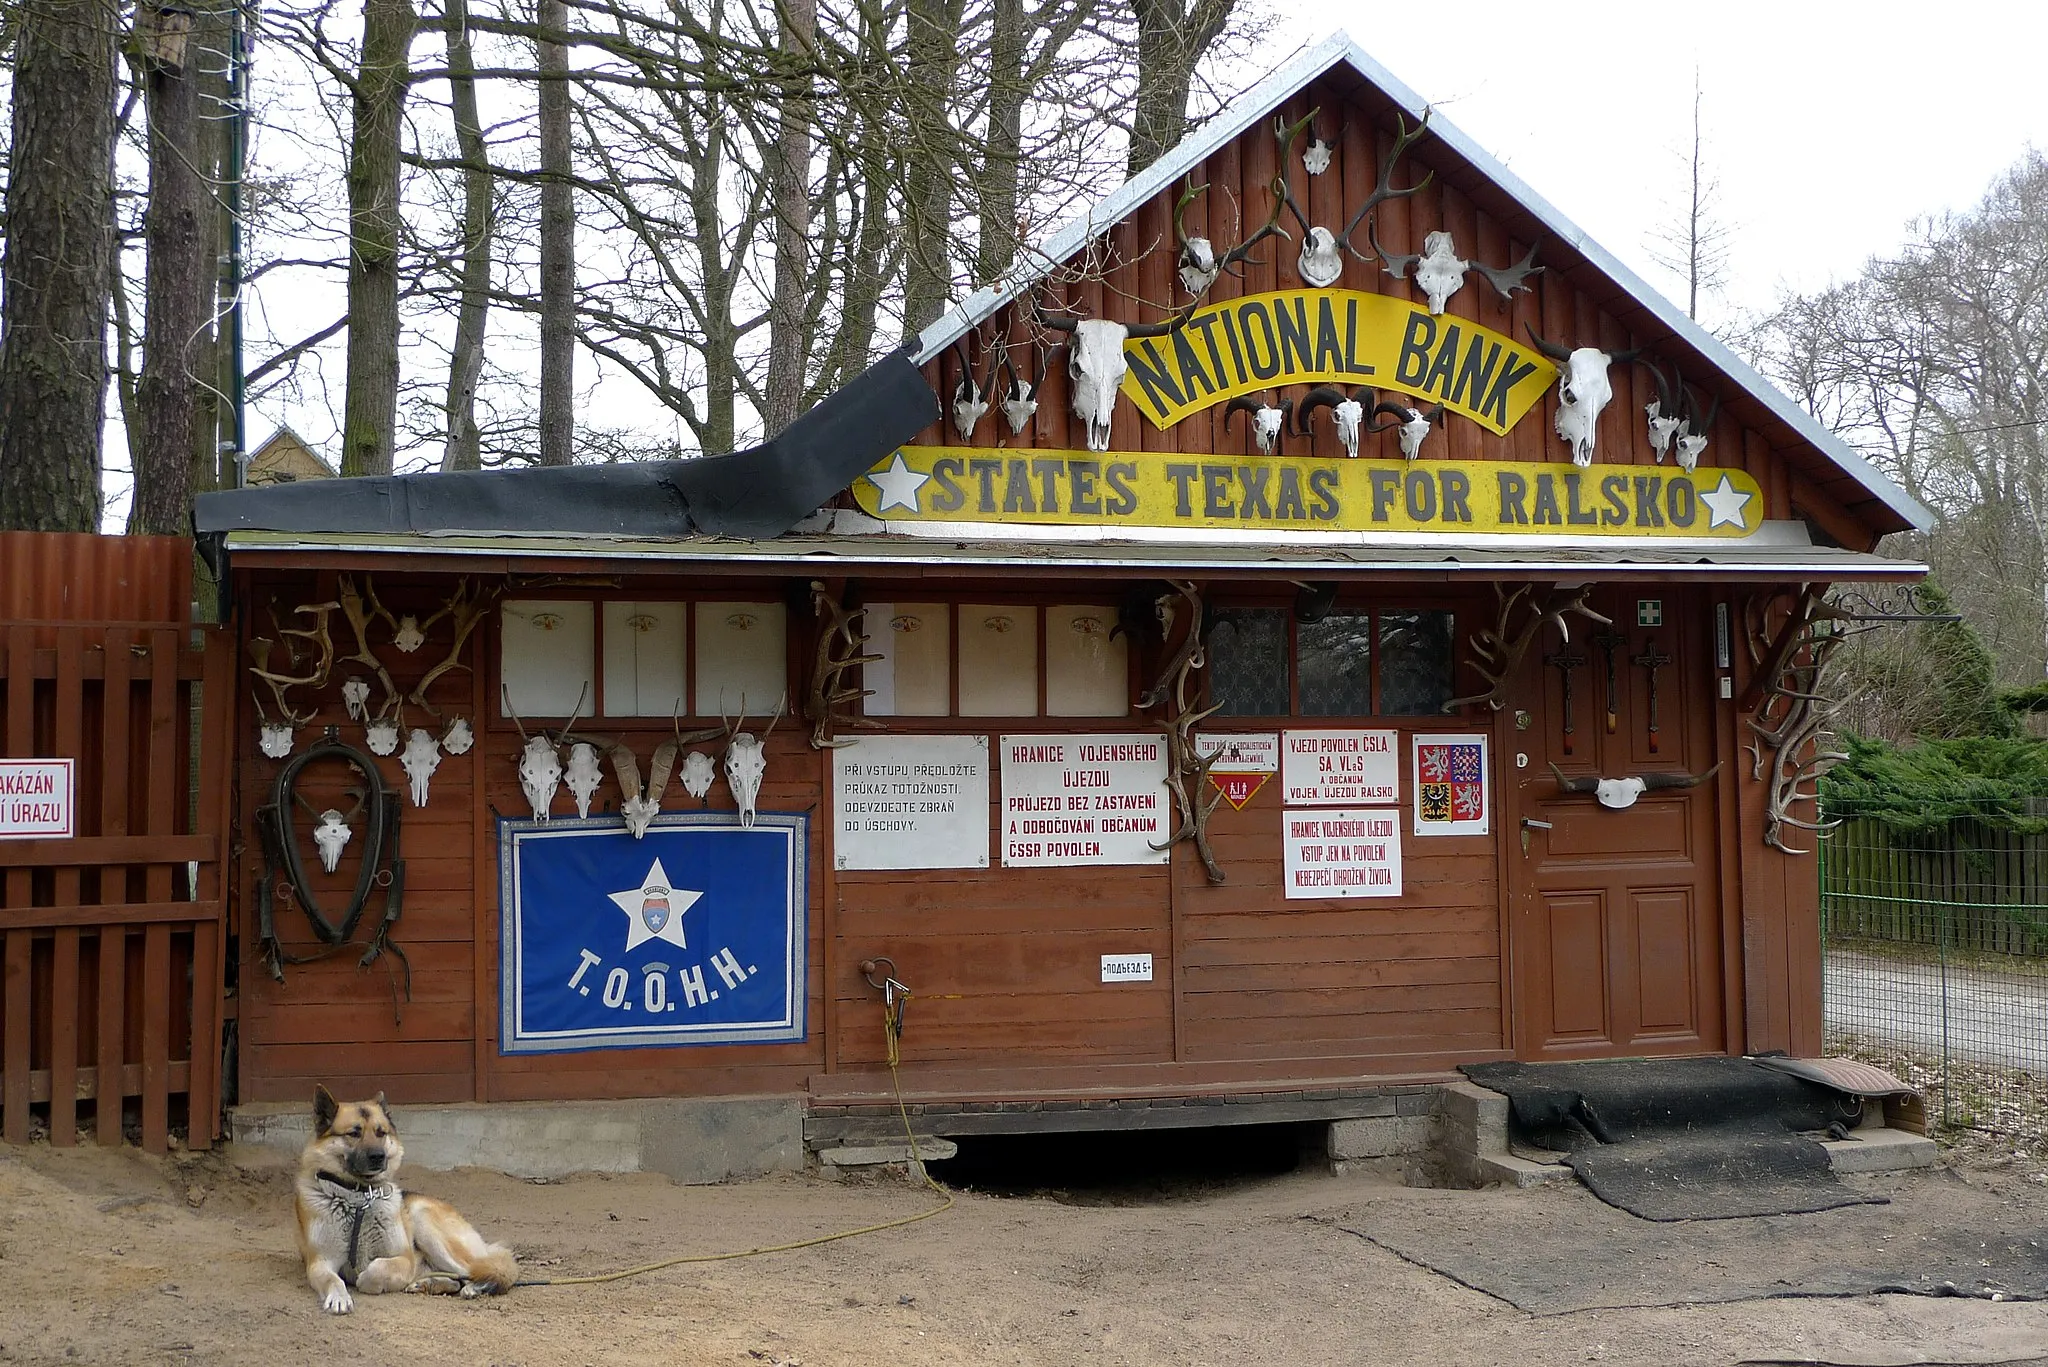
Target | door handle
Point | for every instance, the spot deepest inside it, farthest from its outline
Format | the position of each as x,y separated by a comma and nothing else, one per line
1530,823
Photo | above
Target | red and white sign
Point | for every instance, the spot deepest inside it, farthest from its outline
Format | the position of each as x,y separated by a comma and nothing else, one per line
1340,767
37,798
1451,782
1237,789
1342,852
1073,800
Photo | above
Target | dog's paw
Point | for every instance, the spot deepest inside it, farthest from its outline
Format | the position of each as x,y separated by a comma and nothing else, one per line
337,1301
435,1285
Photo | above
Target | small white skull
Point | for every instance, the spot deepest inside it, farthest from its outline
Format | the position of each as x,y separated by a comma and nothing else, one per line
274,738
1350,419
1020,408
331,835
1198,265
1662,429
698,773
1619,792
1584,391
1095,362
1689,449
1321,264
457,739
1412,433
381,736
422,756
408,637
1441,271
968,407
583,775
540,774
746,763
1315,158
639,813
355,697
1266,425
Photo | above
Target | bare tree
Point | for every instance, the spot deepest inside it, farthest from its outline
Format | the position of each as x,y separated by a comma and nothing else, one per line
1695,246
462,449
1173,36
370,407
557,242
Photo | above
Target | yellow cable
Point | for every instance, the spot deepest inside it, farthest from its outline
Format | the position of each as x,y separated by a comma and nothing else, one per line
892,1029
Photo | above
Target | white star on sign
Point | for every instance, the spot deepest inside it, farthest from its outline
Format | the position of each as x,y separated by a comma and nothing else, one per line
898,485
654,910
1726,503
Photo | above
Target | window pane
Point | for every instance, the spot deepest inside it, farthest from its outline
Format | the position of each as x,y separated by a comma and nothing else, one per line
998,660
544,657
1086,673
643,659
1335,656
913,677
1248,662
1415,662
742,658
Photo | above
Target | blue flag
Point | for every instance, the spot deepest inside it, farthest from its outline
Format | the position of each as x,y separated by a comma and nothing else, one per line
693,935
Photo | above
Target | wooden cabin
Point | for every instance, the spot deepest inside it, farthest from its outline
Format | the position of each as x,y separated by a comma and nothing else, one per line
1164,727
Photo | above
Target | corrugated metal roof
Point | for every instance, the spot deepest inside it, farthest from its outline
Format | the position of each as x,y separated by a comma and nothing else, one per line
1340,49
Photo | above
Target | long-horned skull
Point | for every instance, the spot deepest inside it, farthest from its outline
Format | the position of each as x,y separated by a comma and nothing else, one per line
1412,426
746,763
421,758
1346,415
1268,421
1095,361
540,760
1583,393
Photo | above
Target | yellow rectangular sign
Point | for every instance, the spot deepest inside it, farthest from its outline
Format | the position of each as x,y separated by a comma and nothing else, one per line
1115,490
1346,338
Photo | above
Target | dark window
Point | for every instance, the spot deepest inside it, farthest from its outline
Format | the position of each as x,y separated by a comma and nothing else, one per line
1334,656
1247,652
1416,650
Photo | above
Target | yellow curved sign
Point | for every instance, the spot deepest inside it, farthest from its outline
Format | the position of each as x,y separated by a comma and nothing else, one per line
1343,337
1116,490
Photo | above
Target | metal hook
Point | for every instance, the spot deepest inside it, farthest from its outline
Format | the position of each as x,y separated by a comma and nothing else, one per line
868,968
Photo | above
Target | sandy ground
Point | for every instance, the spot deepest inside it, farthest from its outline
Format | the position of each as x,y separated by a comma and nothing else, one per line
114,1257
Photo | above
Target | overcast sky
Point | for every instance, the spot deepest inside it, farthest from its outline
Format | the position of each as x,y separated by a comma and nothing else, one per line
1829,125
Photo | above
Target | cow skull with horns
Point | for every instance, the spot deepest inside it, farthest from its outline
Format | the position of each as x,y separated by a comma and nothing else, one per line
1095,362
1584,391
1620,793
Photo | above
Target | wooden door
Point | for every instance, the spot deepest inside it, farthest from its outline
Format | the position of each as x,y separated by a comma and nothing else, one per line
1615,925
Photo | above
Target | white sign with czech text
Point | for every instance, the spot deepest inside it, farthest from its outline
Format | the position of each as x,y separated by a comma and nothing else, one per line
37,798
1342,852
1339,768
1075,800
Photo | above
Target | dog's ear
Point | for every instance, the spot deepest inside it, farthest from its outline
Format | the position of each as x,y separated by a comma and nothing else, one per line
384,1106
325,1108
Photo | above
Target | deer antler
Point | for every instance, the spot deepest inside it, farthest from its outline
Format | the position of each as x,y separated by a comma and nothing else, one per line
1499,651
1384,191
468,609
1513,279
359,618
323,662
840,648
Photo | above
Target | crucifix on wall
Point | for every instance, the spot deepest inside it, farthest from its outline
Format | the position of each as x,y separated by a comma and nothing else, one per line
1566,662
1653,660
1609,642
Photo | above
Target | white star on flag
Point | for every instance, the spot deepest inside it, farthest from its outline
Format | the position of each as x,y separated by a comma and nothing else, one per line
898,486
1725,503
654,910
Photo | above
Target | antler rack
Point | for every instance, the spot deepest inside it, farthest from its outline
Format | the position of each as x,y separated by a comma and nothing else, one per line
1186,770
1498,651
841,646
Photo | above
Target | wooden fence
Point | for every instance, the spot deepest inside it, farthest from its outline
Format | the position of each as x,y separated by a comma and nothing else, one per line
113,940
1970,886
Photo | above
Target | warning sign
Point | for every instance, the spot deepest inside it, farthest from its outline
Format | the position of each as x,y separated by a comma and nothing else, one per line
1074,800
1352,852
1237,789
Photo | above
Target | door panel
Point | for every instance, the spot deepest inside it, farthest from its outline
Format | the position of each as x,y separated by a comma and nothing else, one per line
1615,929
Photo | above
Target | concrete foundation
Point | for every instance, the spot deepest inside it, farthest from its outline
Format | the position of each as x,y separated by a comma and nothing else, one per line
695,1140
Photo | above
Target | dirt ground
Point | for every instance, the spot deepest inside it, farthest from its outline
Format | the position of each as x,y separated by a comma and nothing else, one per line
114,1257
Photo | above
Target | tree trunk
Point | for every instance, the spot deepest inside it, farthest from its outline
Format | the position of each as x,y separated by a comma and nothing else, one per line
557,246
212,35
788,335
933,51
370,404
175,279
58,256
464,450
1172,37
997,248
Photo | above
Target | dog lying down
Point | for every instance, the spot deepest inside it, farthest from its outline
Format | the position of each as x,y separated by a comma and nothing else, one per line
356,1228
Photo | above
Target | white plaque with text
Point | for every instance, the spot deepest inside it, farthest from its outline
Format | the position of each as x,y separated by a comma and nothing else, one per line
1339,767
911,802
1342,852
1255,752
36,798
1073,800
1127,968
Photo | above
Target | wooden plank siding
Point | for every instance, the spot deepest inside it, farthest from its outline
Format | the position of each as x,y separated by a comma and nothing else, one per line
112,987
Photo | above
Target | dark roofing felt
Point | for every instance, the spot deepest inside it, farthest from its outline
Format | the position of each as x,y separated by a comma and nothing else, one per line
760,492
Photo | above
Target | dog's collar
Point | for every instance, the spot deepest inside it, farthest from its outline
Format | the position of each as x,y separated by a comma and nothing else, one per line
352,1183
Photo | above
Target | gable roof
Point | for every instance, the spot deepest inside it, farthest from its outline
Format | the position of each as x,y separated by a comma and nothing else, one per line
1651,317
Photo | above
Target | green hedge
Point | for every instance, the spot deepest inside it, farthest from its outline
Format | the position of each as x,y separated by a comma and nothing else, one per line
1935,783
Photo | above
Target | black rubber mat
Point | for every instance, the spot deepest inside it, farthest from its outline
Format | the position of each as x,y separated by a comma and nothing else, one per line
1682,1139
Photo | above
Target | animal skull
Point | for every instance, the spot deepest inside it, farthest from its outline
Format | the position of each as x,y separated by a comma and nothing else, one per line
274,738
1689,449
583,775
457,739
969,403
331,835
1619,792
698,772
1315,158
1662,429
1582,395
1349,417
1321,264
1198,265
381,736
1266,428
421,758
1411,431
1095,359
408,637
355,698
746,763
540,774
1441,271
1020,407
